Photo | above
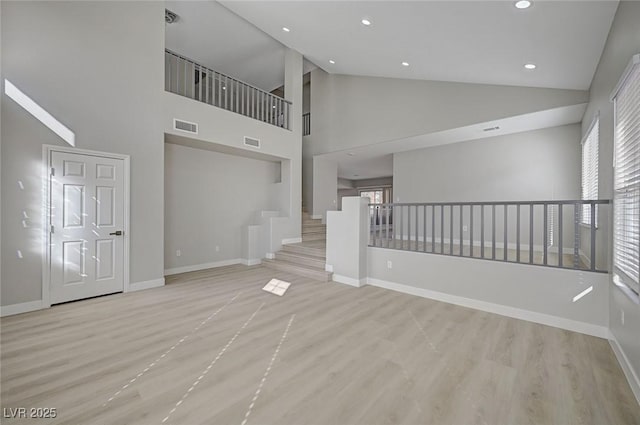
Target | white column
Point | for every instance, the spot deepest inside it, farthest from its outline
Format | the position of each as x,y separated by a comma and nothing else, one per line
347,241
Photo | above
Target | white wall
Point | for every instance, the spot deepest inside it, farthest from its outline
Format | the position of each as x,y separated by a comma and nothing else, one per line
352,187
355,111
564,298
539,294
347,236
325,186
228,129
307,183
374,183
623,42
210,198
352,111
98,68
534,165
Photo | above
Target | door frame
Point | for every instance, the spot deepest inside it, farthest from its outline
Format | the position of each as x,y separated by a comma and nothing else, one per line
47,150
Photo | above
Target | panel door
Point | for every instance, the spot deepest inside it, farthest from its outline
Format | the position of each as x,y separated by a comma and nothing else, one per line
87,226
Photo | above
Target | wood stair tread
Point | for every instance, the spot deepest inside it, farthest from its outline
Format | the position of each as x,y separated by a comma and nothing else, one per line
307,271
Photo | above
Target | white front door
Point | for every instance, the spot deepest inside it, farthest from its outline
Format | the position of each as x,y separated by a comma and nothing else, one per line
87,226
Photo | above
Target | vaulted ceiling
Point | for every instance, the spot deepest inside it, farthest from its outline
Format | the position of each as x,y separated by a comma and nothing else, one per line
478,41
213,36
465,41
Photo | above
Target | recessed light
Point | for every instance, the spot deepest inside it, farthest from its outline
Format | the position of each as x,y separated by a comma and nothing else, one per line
351,154
285,29
523,4
530,65
366,22
405,63
331,61
356,175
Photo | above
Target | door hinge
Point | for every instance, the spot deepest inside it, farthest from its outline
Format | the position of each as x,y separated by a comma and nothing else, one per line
52,229
53,171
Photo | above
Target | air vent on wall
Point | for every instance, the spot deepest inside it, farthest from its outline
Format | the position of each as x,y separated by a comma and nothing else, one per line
250,141
491,128
187,126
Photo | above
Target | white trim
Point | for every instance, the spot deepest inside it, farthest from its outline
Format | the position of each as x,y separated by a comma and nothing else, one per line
328,268
596,118
251,262
635,298
316,217
517,313
629,373
288,241
635,60
47,150
204,266
10,310
349,280
270,255
39,113
147,284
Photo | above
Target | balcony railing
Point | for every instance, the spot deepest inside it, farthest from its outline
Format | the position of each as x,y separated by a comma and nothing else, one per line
190,79
306,124
546,233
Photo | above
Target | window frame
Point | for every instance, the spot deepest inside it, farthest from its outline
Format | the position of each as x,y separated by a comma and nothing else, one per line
590,159
620,278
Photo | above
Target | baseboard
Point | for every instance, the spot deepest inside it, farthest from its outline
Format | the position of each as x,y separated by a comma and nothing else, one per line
147,284
349,280
328,268
10,310
251,262
291,240
629,373
196,267
270,255
316,217
516,313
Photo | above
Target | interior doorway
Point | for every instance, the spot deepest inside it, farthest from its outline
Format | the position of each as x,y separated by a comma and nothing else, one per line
86,224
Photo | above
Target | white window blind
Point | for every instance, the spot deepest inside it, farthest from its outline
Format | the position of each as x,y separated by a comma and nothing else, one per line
626,198
590,168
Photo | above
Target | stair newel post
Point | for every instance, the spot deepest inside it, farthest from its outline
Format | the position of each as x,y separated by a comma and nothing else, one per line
347,241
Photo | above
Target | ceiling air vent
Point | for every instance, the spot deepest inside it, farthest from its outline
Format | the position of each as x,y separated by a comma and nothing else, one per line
250,141
187,126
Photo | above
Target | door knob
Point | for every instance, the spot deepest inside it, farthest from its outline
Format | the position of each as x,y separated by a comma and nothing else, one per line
117,233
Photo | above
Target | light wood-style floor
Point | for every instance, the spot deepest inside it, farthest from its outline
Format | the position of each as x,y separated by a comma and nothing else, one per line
325,353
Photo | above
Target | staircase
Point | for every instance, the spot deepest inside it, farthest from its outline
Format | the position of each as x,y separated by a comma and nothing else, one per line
307,258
